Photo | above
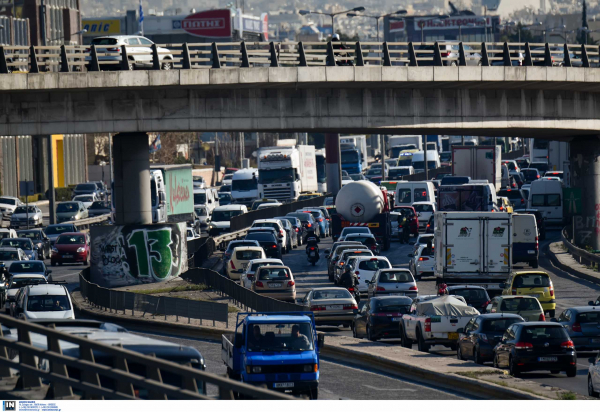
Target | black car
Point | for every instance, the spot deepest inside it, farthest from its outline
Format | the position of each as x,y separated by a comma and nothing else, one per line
515,196
40,241
268,242
430,228
379,317
530,174
308,223
475,296
540,220
534,346
297,225
98,208
479,337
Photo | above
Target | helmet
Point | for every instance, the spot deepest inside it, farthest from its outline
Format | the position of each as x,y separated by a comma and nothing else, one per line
335,37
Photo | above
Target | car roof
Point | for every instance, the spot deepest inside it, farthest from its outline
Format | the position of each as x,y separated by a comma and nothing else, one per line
556,324
530,272
47,289
465,287
351,235
503,297
273,220
329,288
230,207
372,257
264,260
28,275
242,248
582,309
408,299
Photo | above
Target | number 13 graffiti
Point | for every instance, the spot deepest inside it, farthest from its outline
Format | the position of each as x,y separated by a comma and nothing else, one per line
153,252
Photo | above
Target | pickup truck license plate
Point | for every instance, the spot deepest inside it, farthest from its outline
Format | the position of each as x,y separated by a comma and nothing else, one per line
547,359
531,252
274,285
336,307
453,335
396,319
283,385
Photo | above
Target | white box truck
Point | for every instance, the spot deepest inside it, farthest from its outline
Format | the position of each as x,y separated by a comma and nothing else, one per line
479,163
473,248
397,144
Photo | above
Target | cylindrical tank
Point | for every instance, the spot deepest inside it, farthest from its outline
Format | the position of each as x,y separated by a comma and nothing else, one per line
360,201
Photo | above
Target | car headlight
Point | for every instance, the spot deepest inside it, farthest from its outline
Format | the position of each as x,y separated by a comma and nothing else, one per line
311,368
81,250
36,217
253,369
54,250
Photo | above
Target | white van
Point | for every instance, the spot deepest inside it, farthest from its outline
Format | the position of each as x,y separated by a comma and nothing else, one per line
526,247
418,161
408,193
244,186
206,198
547,197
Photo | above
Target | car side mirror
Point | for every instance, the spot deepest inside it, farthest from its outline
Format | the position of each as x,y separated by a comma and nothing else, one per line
461,330
592,360
591,303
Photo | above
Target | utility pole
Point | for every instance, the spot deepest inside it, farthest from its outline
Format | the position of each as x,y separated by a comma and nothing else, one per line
333,167
425,156
242,154
382,143
43,21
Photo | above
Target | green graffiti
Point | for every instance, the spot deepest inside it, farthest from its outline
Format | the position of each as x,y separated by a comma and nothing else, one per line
160,252
137,240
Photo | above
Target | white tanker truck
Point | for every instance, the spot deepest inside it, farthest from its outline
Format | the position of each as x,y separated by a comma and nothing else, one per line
363,203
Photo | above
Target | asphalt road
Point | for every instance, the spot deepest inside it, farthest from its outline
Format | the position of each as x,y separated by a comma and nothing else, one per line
570,291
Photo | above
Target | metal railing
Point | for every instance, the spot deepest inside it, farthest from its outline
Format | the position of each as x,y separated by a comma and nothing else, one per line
91,221
580,255
291,54
126,385
120,301
244,298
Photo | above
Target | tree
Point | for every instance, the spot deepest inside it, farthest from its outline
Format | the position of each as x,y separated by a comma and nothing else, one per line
511,35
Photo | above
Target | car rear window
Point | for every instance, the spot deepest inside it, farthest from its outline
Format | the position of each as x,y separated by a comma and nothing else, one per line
533,280
248,254
533,334
267,224
346,231
104,42
261,237
511,194
261,264
395,277
588,317
519,304
530,174
367,240
498,325
471,294
390,306
274,274
374,264
331,294
423,208
545,200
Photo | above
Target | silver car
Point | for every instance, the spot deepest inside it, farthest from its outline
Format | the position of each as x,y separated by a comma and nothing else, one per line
139,52
22,213
8,204
24,244
393,282
582,323
71,211
331,306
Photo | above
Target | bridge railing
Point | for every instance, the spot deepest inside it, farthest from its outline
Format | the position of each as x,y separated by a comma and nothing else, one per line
36,59
127,385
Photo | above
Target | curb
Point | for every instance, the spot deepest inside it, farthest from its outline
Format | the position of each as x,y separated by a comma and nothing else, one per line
570,270
464,385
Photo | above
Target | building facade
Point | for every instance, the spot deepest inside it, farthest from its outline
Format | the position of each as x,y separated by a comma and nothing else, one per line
429,28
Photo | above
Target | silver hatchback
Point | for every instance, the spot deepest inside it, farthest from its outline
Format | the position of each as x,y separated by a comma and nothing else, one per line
393,282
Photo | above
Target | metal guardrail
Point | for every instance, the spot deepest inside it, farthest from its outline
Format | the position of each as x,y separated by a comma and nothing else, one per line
118,301
92,221
127,385
291,54
243,297
582,256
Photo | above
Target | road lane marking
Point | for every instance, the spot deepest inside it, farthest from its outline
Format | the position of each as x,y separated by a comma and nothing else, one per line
389,389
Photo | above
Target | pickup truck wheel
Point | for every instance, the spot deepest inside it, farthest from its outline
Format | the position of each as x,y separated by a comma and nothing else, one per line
423,347
404,341
476,356
459,355
313,394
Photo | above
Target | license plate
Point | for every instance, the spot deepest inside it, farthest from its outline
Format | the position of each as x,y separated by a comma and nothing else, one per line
336,307
67,256
548,359
274,285
453,336
396,319
283,385
396,294
531,252
595,340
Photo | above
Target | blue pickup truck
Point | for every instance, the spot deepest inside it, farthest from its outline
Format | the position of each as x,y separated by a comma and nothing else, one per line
279,350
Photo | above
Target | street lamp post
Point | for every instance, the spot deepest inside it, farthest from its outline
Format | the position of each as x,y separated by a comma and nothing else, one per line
376,18
332,15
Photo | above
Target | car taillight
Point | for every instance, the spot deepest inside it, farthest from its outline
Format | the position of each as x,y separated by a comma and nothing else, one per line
274,246
576,327
291,283
373,247
296,230
444,54
551,290
259,284
280,233
421,259
537,243
232,265
542,318
568,345
538,176
515,185
114,49
514,291
501,208
380,289
485,304
312,248
308,225
350,289
350,307
413,288
317,308
320,219
428,325
523,345
522,200
341,263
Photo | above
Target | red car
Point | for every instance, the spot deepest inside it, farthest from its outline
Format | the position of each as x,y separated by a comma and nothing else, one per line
72,247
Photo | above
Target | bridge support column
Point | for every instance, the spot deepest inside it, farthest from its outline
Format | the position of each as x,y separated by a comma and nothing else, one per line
333,163
132,179
585,174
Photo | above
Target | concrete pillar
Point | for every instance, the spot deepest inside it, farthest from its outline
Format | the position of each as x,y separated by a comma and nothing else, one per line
333,167
52,197
585,174
132,179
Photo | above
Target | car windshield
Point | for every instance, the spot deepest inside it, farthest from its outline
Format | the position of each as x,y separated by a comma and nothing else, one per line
98,205
423,208
530,174
511,194
331,294
26,267
286,175
394,173
199,198
280,337
224,196
355,177
541,334
54,230
200,211
498,325
70,240
87,187
6,201
67,207
471,294
542,167
197,179
373,264
48,303
532,280
395,277
24,244
268,273
32,234
9,255
248,254
403,196
445,156
261,237
240,243
421,164
365,240
20,282
244,185
303,217
225,215
24,209
519,304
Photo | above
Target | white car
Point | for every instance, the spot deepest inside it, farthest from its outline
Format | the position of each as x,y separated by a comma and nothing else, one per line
191,234
8,204
139,52
247,276
424,211
422,240
87,200
199,182
393,282
594,376
267,205
240,258
422,263
45,302
17,282
221,218
277,225
227,179
366,267
22,213
8,233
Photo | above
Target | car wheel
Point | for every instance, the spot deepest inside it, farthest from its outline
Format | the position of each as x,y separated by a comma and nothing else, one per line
354,330
591,390
166,65
459,355
496,365
513,370
476,356
572,372
370,335
423,347
404,341
552,313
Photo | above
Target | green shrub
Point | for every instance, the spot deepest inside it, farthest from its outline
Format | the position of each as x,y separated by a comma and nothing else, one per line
33,198
64,194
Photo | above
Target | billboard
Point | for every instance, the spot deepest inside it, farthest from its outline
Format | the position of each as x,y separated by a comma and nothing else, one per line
97,27
133,254
179,190
397,25
209,23
452,22
265,25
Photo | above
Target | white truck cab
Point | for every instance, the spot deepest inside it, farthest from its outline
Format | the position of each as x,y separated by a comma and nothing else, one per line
206,198
244,186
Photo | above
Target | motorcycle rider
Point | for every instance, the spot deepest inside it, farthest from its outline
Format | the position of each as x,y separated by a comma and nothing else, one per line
405,229
312,240
337,45
349,280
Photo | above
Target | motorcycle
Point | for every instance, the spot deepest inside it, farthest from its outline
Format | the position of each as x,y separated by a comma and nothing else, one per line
355,293
313,255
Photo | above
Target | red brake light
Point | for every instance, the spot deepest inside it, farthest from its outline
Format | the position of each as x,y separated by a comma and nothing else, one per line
259,284
413,288
576,327
309,225
568,345
317,308
421,259
522,200
444,54
232,265
380,289
485,304
538,176
428,325
542,318
291,283
312,248
514,291
296,229
274,246
501,208
523,345
350,307
280,232
320,219
114,49
373,260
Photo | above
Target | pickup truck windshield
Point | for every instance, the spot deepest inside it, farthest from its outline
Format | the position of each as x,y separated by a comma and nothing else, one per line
280,337
276,176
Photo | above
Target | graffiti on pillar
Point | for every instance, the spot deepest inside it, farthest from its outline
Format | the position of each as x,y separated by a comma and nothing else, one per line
131,254
586,227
